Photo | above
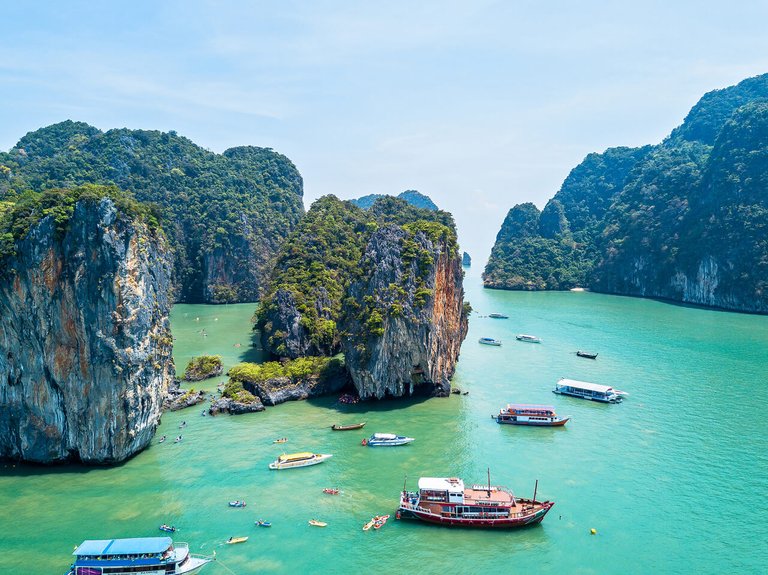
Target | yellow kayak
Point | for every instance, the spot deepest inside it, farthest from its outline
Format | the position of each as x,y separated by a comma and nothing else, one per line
368,525
233,540
316,523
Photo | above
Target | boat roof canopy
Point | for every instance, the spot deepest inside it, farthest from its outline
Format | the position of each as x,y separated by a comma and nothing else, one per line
585,385
384,436
530,406
441,484
290,456
135,546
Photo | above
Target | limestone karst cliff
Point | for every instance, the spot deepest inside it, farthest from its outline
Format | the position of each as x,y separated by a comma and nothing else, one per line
84,335
406,332
384,285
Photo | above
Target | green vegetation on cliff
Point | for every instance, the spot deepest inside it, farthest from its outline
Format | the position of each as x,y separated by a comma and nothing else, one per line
301,312
684,220
226,213
416,199
296,370
26,209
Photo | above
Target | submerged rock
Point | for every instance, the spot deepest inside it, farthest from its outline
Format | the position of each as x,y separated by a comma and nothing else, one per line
85,338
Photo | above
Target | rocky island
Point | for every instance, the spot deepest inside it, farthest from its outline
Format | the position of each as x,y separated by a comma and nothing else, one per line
84,285
225,214
683,220
382,285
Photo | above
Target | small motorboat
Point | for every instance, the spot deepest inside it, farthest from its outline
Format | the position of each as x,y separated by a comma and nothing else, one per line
586,354
330,491
303,459
498,316
237,503
317,523
281,440
233,540
167,528
262,523
528,338
163,438
386,440
336,427
489,341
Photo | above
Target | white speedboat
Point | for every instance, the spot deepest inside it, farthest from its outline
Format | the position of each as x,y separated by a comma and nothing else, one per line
304,459
528,338
489,341
386,439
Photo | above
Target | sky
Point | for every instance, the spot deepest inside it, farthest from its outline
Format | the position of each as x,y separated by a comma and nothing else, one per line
479,104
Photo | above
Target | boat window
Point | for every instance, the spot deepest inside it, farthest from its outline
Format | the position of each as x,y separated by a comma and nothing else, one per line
88,571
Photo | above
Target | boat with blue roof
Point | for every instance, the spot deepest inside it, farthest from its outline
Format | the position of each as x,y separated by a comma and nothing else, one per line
135,555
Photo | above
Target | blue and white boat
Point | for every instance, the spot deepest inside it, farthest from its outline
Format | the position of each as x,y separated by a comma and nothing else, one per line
136,555
587,390
386,439
489,341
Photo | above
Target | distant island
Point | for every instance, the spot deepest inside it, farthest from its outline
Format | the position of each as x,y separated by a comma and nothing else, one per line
416,199
684,220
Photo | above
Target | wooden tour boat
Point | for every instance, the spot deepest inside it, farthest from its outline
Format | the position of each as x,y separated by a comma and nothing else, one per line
534,415
445,501
304,459
337,427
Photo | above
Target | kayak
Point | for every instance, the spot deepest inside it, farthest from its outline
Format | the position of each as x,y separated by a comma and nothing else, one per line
233,540
368,525
330,491
316,523
263,523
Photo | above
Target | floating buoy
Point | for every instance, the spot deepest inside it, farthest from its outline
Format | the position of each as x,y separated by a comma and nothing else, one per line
593,531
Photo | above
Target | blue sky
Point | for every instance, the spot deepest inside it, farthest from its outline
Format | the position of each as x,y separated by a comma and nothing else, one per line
479,104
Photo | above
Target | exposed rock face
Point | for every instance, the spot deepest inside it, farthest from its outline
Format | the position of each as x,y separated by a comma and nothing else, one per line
282,389
84,339
466,260
233,407
413,343
178,398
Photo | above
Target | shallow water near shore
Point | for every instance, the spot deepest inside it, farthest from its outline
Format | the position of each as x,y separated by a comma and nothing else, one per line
673,480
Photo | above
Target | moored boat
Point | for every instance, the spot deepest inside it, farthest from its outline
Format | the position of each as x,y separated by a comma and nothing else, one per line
528,338
586,354
489,341
303,459
588,390
136,555
336,427
498,316
446,501
534,415
386,440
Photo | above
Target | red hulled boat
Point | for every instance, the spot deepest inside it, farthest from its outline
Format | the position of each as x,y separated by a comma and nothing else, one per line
445,501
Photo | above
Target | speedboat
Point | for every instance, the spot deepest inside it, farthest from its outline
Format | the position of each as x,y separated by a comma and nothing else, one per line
237,503
489,341
386,440
528,338
167,528
136,555
304,459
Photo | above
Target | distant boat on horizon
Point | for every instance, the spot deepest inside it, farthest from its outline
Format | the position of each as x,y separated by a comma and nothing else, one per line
498,316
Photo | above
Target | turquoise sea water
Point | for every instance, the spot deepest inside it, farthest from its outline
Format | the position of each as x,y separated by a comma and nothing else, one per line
674,480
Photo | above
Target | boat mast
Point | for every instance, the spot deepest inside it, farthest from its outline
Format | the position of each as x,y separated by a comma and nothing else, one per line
535,488
489,482
405,480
